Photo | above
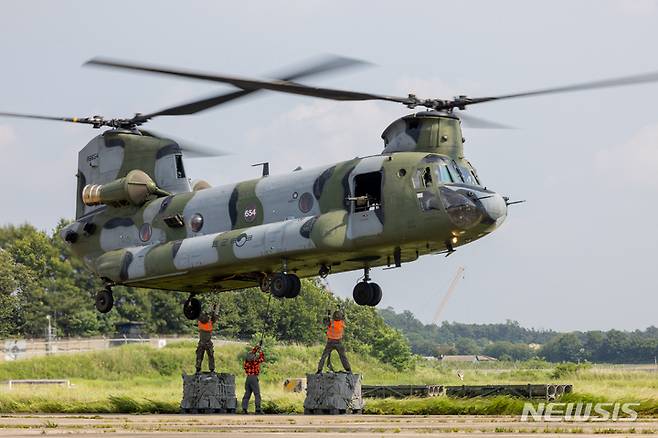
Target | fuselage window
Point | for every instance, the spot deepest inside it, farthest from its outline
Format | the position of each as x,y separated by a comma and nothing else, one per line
367,191
180,170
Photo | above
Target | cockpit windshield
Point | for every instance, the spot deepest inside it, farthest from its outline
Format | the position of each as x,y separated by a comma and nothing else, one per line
466,173
444,173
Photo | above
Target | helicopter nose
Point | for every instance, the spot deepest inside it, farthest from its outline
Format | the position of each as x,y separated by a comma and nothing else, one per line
495,209
462,210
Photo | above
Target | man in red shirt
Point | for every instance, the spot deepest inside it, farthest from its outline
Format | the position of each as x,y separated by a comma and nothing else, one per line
251,384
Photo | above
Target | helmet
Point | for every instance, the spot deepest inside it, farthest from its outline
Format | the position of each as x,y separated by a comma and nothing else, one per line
338,315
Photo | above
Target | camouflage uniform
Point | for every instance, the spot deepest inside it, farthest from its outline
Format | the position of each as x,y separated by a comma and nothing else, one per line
251,384
205,342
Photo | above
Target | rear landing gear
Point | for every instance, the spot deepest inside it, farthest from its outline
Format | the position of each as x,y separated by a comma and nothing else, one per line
366,293
104,300
192,308
285,285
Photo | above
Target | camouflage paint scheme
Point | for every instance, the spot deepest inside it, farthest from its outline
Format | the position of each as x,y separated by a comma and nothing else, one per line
293,223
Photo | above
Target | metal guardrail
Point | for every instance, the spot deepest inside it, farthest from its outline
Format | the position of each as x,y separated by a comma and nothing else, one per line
545,391
402,391
12,383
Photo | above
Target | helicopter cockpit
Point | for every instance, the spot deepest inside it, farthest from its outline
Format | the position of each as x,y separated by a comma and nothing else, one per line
445,171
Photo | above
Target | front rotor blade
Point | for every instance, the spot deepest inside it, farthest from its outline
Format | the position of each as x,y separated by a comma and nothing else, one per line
36,116
479,123
605,83
282,86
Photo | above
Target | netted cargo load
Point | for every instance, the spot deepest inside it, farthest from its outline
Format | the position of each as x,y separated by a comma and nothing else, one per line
207,393
333,393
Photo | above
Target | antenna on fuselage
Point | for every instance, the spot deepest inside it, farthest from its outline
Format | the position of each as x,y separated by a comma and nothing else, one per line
266,167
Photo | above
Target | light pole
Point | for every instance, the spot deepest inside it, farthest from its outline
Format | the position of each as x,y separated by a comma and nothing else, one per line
49,336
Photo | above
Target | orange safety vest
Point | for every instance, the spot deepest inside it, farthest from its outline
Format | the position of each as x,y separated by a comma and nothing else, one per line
207,327
335,330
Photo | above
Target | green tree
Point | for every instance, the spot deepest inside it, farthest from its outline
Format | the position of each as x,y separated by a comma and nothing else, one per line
11,282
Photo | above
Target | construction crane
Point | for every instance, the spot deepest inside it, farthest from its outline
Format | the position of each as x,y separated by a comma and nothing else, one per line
453,285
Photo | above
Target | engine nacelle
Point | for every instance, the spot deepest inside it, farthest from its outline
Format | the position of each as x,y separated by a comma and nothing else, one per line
135,188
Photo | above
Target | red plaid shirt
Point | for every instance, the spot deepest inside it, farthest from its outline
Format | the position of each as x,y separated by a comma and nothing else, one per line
252,367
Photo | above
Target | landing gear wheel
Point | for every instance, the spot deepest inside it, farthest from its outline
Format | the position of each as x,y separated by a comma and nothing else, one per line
104,300
376,294
295,286
362,293
264,283
192,308
280,284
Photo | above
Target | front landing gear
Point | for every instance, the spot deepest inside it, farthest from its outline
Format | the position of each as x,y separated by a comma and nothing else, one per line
285,285
192,308
366,293
104,300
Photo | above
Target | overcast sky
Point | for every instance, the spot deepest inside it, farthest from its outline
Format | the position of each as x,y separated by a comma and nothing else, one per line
580,254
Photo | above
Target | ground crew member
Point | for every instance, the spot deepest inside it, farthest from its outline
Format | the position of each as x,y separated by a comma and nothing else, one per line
251,385
335,328
205,340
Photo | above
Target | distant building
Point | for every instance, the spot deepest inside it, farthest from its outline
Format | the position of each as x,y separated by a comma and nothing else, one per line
475,358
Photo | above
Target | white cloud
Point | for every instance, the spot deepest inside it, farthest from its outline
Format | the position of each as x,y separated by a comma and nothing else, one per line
637,8
636,160
425,88
324,132
7,135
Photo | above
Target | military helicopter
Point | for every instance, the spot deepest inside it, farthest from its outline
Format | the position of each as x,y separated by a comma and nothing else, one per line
141,222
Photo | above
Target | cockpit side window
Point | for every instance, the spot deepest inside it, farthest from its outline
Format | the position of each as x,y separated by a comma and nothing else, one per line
422,178
474,173
427,177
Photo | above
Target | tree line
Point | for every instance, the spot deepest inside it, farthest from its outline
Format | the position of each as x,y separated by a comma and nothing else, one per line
39,278
513,342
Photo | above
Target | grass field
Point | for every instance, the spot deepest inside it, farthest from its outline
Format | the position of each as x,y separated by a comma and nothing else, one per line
140,379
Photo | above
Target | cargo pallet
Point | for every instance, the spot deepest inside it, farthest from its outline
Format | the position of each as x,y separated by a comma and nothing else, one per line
333,394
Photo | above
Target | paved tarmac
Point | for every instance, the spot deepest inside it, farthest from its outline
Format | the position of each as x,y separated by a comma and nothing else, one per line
309,426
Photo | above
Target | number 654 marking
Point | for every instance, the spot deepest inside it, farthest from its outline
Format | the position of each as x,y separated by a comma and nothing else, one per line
250,214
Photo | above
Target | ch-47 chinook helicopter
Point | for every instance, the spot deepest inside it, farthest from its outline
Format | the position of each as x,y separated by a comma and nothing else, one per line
140,222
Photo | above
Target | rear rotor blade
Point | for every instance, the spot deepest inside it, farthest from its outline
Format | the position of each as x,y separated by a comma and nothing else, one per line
255,84
324,65
190,149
